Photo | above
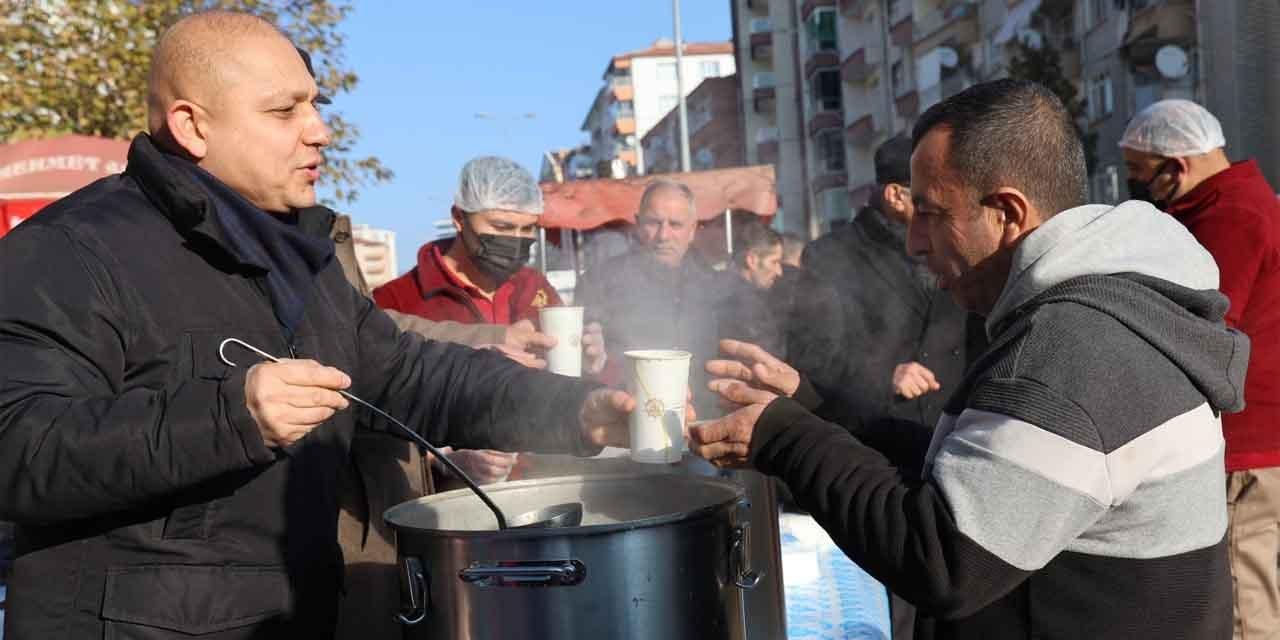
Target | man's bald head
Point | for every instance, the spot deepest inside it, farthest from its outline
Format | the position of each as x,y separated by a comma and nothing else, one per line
195,58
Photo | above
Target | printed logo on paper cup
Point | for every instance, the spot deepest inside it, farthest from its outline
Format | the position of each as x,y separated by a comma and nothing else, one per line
575,341
654,408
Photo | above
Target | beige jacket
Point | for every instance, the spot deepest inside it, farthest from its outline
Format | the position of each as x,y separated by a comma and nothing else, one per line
383,472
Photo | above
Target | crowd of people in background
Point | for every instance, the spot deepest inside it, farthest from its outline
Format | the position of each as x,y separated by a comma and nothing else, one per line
1026,415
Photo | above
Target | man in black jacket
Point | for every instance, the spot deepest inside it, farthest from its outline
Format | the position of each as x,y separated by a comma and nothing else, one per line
910,336
1073,486
748,312
159,490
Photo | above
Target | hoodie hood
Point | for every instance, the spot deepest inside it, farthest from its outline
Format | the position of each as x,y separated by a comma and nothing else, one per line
1143,268
1132,237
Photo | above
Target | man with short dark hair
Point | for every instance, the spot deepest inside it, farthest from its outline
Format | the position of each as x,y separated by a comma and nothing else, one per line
913,340
1073,486
747,312
792,249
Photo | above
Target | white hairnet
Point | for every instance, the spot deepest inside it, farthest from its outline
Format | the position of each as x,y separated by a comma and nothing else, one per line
490,182
1174,129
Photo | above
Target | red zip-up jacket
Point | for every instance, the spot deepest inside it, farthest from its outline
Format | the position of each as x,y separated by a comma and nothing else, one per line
1236,216
430,290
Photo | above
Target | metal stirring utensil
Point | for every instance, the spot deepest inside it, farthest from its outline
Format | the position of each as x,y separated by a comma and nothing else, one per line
475,488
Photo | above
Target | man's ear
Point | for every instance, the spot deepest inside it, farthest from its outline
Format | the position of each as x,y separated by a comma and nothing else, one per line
188,126
1014,208
458,215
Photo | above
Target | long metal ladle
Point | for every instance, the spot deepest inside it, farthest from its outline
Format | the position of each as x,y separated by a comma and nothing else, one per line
551,517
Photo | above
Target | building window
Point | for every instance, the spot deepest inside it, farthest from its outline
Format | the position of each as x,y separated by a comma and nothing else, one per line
711,69
830,149
1101,97
898,73
703,159
821,29
1106,185
667,71
1097,12
895,11
825,90
835,206
667,103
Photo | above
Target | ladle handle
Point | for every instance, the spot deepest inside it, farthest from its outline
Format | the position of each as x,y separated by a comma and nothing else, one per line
413,435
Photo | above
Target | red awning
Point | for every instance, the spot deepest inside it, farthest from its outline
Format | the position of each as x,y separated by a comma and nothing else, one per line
52,168
587,204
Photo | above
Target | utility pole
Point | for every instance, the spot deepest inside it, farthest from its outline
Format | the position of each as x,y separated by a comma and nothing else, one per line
684,114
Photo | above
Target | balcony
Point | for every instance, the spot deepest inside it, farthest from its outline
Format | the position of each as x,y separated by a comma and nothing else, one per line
903,32
767,144
761,38
908,104
809,6
829,181
820,59
624,126
620,87
758,6
825,120
954,21
1153,26
763,91
859,66
861,132
855,8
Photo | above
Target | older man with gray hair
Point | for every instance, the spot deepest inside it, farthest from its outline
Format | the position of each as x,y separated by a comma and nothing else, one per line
659,295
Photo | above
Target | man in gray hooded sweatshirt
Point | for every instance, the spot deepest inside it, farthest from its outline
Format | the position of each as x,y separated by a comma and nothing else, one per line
1073,486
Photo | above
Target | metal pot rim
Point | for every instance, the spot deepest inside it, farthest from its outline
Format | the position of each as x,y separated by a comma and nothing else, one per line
580,531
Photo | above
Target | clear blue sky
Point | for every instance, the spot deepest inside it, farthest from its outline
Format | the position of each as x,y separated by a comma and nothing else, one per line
427,66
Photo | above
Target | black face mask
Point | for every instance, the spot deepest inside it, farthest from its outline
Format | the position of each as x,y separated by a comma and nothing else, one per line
499,257
1139,190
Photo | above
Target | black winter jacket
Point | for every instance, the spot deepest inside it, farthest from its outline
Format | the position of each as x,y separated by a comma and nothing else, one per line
885,317
147,504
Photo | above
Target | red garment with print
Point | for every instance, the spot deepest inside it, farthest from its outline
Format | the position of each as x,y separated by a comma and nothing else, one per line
433,291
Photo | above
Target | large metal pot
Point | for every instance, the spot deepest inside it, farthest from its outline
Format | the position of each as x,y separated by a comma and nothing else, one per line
657,556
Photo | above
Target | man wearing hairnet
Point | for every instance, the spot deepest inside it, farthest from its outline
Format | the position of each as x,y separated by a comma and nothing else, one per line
481,275
1174,154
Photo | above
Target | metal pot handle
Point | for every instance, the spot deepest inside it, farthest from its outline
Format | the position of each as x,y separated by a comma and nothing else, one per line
550,573
413,584
740,550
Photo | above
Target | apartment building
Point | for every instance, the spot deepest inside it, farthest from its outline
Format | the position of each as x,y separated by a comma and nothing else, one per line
715,131
766,46
640,88
820,96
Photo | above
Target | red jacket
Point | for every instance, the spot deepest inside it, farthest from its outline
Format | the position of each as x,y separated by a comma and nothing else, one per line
1236,216
432,291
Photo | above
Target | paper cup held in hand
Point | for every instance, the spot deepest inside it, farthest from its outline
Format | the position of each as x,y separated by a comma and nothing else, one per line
565,324
658,380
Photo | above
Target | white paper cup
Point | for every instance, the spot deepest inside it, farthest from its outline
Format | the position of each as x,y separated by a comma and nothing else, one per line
565,324
658,379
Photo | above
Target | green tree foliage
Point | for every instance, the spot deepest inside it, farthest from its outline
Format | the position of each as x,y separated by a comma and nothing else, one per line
1043,64
80,66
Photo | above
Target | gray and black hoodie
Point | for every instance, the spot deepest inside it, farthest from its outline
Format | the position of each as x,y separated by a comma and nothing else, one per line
1074,486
